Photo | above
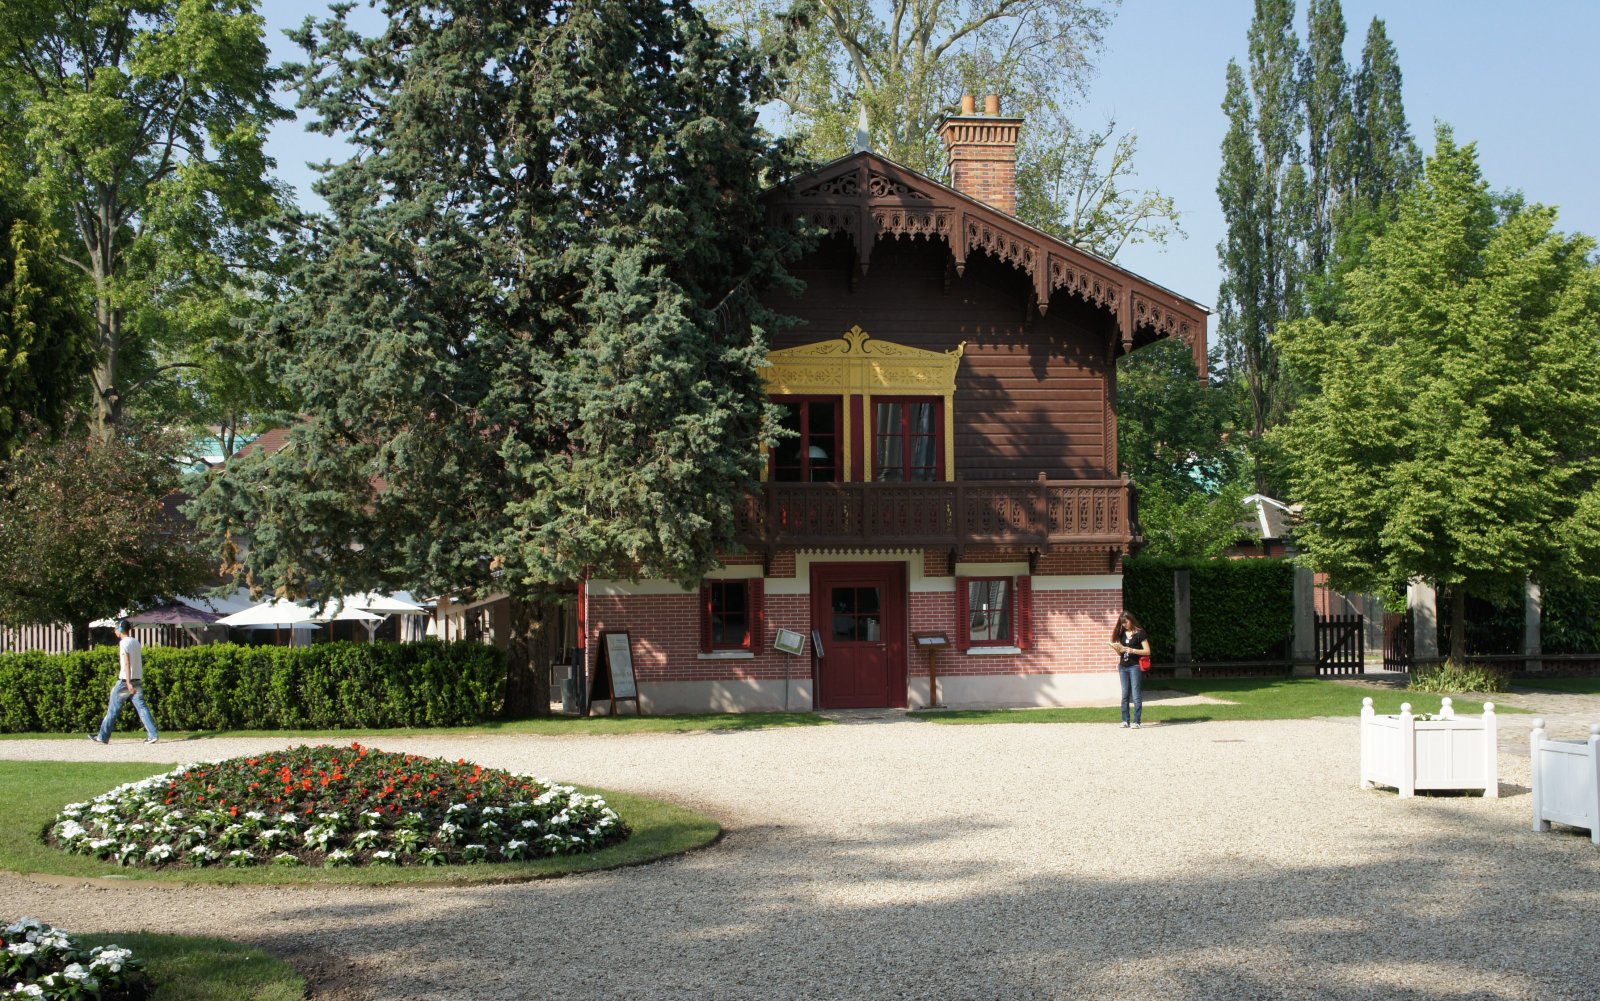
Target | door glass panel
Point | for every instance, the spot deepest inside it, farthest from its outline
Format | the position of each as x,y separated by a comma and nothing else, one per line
857,614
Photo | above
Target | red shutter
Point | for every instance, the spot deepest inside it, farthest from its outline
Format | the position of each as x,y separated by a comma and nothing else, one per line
758,614
705,618
963,616
1024,613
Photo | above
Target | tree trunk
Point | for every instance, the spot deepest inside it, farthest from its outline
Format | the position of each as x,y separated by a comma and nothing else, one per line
1458,626
528,679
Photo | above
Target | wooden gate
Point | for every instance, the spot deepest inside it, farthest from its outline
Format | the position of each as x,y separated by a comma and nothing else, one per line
1398,648
1340,645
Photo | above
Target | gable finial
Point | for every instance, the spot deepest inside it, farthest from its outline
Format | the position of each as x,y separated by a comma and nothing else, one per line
863,136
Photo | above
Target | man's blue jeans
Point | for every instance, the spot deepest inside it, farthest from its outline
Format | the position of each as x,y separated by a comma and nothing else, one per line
1132,687
119,698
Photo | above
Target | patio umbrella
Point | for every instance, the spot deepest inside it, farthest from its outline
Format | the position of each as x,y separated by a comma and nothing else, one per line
347,612
174,613
272,614
375,601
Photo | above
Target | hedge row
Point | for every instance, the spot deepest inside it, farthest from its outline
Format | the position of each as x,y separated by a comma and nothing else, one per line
228,687
1238,609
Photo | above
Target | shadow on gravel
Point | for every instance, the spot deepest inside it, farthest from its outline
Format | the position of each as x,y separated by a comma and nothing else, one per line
1471,910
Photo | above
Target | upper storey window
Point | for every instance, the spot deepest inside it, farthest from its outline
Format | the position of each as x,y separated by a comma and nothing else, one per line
810,453
908,439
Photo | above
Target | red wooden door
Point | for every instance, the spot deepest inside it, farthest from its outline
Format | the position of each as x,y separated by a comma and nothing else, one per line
859,610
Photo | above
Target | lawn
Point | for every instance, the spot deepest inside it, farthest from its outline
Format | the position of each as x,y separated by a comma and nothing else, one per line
37,790
1253,698
1574,686
206,969
548,726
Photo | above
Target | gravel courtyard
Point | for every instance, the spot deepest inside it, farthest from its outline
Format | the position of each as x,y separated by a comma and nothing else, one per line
890,858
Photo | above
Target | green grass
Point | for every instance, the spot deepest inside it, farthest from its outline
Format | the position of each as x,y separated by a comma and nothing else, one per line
206,969
37,790
1255,698
1576,686
549,726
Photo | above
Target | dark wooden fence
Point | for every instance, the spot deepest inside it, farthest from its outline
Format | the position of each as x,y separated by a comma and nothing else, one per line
1340,644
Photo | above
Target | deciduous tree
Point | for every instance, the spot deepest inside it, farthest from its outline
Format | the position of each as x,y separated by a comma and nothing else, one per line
140,125
86,529
1450,432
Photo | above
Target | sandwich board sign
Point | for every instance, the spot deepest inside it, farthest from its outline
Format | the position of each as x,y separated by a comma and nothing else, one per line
614,680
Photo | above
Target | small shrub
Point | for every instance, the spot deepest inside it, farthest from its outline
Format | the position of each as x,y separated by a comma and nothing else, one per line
1451,677
39,961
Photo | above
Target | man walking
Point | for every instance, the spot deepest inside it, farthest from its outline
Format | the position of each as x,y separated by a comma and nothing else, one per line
129,685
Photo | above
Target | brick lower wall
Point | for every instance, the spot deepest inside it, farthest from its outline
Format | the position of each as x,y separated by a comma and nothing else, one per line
1070,632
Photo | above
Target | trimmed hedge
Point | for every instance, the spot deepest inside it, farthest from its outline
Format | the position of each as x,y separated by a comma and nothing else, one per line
1238,609
327,686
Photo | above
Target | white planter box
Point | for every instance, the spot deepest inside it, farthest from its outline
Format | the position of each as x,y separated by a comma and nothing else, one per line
1448,752
1566,781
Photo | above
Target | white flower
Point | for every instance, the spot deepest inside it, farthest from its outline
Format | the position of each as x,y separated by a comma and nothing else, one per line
26,991
256,815
25,925
75,971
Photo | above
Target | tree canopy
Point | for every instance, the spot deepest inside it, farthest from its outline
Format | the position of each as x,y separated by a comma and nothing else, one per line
140,126
44,334
526,337
85,530
1449,434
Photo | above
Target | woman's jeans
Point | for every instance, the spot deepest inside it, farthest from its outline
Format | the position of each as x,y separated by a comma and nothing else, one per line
119,698
1132,686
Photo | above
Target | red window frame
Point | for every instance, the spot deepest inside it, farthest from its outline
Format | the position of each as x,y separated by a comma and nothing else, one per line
836,452
1021,620
906,437
755,617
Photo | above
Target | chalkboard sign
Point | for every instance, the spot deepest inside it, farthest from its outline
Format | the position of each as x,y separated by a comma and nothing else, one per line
613,677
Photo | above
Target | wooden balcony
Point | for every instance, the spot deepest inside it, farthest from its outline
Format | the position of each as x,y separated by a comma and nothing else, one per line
958,514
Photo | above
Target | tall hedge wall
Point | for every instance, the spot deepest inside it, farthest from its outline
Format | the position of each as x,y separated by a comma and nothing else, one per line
228,687
1238,609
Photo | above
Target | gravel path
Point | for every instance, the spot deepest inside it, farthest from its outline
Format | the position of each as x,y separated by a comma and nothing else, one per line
896,859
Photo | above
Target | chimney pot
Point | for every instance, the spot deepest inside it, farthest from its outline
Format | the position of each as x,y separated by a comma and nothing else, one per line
991,105
969,104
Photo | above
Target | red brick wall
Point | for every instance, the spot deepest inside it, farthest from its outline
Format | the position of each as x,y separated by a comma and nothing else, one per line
1070,630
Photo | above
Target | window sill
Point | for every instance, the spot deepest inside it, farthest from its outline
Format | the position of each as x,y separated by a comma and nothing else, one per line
727,655
992,651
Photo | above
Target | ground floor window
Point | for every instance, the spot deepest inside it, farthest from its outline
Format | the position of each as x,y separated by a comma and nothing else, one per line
994,612
730,615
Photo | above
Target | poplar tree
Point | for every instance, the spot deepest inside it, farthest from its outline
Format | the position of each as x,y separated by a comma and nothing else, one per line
1263,192
1330,125
526,339
1450,433
1384,159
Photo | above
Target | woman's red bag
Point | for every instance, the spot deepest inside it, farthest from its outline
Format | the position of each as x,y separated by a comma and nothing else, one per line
1144,663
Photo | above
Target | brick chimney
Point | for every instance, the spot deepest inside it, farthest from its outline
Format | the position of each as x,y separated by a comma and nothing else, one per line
983,153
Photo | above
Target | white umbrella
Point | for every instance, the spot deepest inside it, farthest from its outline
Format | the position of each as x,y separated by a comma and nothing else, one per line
272,614
375,601
279,612
347,612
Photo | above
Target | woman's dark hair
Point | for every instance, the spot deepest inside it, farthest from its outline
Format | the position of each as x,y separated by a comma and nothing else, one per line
1116,630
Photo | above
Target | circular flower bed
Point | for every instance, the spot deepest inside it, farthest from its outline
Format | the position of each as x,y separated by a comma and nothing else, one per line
336,806
38,961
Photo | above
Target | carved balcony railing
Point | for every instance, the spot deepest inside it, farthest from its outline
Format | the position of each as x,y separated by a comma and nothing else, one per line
965,512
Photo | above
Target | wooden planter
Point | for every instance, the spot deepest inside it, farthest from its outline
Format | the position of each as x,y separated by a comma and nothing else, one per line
1566,781
1448,752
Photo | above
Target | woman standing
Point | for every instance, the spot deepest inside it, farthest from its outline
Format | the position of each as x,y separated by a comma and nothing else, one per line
1129,640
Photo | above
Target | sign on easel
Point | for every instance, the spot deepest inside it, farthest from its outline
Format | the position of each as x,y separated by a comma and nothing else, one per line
613,677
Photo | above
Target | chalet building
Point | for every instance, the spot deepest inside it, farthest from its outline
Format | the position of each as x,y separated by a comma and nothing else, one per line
953,470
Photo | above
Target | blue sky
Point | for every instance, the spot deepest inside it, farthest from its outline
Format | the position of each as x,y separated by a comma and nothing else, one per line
1519,80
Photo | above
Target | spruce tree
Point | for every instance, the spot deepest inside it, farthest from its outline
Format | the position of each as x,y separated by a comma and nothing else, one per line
526,339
